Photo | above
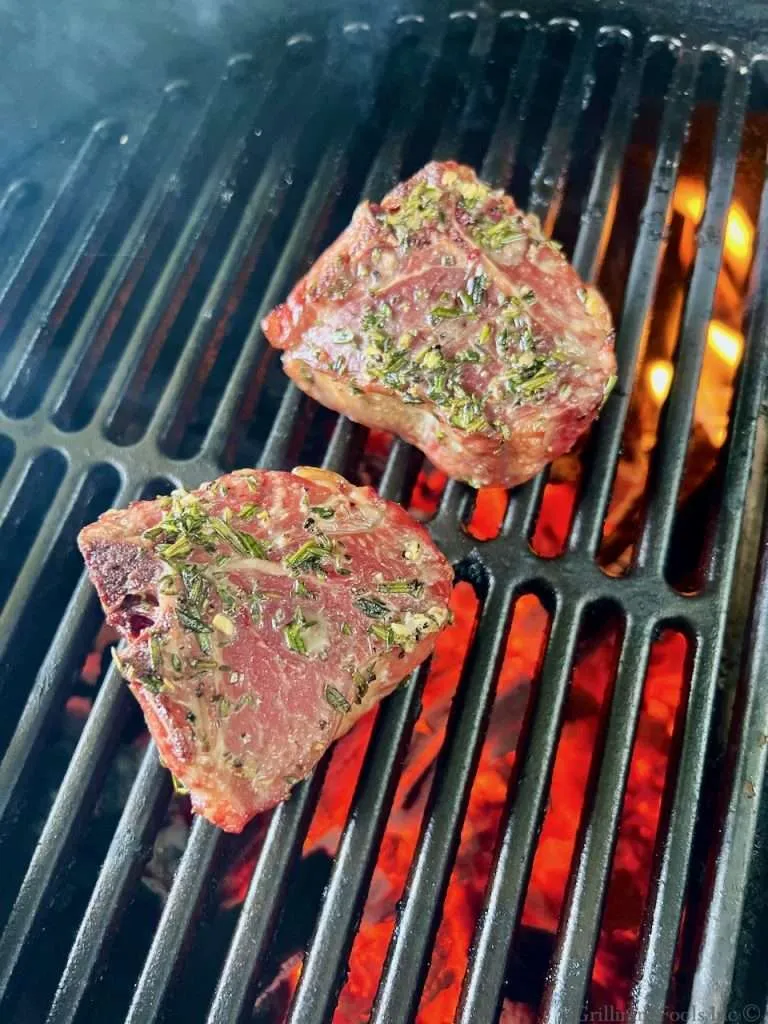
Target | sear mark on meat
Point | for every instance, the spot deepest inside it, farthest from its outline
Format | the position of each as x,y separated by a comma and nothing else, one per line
261,616
445,315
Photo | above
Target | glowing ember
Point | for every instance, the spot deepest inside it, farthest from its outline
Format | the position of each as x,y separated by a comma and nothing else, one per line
660,374
726,342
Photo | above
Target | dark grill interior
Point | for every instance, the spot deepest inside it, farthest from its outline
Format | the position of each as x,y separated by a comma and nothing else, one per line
137,260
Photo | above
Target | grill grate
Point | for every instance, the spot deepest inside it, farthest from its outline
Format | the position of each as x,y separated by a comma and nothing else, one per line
132,359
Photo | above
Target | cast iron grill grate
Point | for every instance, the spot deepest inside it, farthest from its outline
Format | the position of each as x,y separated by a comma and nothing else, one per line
132,361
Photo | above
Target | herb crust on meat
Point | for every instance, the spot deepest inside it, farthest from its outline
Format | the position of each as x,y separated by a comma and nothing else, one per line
262,615
445,315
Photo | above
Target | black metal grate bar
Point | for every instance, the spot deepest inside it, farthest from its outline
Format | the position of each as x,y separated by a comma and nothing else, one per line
714,974
548,178
597,214
567,986
74,801
678,413
44,697
506,890
502,150
418,917
641,286
155,286
122,865
74,185
328,952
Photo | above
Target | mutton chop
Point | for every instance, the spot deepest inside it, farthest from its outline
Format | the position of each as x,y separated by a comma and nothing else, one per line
261,616
444,315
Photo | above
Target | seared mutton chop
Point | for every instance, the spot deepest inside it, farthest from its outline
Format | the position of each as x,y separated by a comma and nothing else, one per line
262,615
445,316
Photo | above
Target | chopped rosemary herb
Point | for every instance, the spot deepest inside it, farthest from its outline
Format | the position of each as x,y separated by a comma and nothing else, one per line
152,682
413,587
301,589
421,206
196,585
477,288
190,621
438,313
372,606
383,632
180,548
155,653
242,542
117,660
250,511
178,786
362,681
310,556
337,700
610,384
293,633
495,234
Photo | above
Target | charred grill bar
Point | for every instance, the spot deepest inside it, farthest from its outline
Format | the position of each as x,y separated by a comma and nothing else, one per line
116,309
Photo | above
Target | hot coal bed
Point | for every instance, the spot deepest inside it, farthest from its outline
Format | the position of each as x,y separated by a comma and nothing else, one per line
560,818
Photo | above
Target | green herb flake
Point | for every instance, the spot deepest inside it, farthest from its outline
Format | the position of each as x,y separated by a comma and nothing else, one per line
240,541
438,313
180,548
346,629
322,511
610,384
467,414
413,587
362,682
155,653
310,556
152,682
250,511
190,621
337,700
301,589
420,207
383,632
495,234
178,786
372,606
477,288
196,585
293,634
176,662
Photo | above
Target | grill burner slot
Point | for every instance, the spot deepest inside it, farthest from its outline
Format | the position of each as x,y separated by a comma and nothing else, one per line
131,361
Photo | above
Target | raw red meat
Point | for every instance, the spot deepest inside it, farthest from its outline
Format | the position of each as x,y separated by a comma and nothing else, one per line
446,316
262,615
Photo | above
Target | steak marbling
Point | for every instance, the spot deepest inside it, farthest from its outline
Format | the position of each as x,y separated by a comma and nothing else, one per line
262,615
446,316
